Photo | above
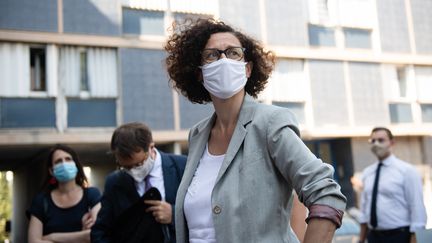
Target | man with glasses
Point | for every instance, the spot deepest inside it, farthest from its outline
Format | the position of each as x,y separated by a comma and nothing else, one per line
392,207
141,167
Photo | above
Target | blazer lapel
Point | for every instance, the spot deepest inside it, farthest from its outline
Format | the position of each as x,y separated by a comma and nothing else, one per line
127,184
169,176
246,113
201,135
199,140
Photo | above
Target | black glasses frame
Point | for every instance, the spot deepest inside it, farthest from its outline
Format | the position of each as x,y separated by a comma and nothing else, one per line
224,52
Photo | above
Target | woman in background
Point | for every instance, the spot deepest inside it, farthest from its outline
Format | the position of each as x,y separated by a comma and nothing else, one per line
66,209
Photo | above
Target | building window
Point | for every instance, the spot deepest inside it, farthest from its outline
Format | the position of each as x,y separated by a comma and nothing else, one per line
357,38
88,72
402,81
400,113
288,73
143,22
321,36
423,77
295,107
426,112
84,84
319,11
37,69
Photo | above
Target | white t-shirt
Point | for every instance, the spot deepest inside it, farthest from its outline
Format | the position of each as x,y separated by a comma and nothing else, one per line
197,204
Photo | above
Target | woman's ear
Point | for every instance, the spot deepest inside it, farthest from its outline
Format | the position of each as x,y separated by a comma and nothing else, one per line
249,67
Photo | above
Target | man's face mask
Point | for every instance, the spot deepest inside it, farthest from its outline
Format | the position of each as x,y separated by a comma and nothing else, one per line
140,172
380,150
380,147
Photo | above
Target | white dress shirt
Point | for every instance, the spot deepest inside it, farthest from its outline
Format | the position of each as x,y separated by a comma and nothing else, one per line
399,198
156,178
197,204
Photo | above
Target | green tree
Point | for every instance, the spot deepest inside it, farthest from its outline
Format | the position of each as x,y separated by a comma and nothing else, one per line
5,204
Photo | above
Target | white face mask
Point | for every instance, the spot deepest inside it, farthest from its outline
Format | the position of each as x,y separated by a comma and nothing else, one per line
139,173
224,77
380,150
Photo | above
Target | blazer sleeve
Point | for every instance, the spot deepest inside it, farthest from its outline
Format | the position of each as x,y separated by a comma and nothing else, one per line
180,164
100,232
311,178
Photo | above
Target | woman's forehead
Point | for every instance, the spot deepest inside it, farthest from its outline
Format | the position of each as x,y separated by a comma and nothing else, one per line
61,153
222,40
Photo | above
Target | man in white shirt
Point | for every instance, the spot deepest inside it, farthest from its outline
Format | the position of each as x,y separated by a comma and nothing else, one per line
391,205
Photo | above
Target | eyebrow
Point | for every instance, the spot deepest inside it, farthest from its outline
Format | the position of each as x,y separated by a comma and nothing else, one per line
60,159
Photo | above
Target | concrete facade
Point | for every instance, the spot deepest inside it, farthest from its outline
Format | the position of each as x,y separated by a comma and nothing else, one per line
393,26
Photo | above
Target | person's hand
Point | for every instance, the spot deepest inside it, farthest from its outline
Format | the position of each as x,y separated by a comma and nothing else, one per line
161,211
413,238
87,221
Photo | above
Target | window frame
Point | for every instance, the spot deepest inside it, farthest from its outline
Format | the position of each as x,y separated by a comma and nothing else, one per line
35,92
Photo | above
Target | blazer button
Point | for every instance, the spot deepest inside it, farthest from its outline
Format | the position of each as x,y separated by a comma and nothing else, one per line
217,210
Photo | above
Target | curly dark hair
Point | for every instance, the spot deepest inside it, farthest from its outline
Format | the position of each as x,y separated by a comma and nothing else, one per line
184,58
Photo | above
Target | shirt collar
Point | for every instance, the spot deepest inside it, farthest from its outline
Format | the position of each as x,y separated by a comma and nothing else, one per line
387,161
155,172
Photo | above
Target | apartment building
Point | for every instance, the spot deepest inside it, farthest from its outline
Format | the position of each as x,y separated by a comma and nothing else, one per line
73,70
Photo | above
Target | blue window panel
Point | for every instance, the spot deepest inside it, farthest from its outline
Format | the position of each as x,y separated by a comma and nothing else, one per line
142,22
39,15
191,113
357,38
400,113
321,36
94,17
25,113
295,107
91,113
146,94
426,112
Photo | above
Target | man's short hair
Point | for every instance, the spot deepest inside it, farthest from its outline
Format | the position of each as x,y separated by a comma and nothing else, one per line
389,133
130,138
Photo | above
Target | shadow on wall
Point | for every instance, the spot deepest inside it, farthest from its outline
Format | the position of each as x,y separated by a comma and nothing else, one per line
92,17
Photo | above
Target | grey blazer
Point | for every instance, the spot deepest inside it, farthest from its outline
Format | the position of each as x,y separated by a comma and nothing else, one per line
266,160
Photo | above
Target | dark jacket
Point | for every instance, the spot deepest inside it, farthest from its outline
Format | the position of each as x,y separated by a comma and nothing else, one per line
120,194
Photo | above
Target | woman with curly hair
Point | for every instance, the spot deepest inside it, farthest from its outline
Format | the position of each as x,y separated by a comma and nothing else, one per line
66,209
247,158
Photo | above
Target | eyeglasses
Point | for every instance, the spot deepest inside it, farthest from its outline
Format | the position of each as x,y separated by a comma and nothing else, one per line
131,165
379,140
210,55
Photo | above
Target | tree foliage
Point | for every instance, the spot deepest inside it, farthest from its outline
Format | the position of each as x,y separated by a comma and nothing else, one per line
5,204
